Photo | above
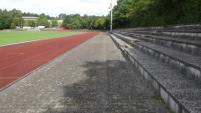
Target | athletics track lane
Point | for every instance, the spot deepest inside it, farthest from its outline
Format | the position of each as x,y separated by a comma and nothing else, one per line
18,60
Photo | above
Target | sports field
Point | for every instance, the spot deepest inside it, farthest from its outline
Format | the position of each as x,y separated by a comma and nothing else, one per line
10,37
16,61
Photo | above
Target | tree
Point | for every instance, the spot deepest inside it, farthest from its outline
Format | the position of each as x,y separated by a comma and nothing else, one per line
14,23
42,21
31,23
66,21
12,18
62,15
54,22
15,13
135,13
74,20
1,20
100,23
120,12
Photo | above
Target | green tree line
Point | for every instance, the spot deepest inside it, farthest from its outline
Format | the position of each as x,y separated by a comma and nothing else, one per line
142,13
13,18
85,22
127,13
8,18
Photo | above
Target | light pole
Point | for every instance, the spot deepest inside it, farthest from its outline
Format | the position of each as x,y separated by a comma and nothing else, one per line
21,22
111,18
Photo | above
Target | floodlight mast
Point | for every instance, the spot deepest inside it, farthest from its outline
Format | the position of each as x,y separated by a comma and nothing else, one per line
111,18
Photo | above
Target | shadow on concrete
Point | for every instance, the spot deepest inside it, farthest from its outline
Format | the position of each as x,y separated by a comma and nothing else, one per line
109,87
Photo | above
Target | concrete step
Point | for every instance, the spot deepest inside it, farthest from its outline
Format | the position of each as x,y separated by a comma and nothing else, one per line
186,35
189,65
181,30
189,46
127,39
181,95
120,43
191,35
193,27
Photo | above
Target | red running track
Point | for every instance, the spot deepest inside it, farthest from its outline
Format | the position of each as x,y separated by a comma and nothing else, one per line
18,60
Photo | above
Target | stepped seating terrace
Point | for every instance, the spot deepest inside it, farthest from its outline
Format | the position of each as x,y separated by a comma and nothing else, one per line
169,60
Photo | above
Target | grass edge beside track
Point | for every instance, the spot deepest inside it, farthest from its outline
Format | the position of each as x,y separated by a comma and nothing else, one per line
13,37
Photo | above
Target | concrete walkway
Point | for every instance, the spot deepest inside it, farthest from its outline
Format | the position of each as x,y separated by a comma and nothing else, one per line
92,78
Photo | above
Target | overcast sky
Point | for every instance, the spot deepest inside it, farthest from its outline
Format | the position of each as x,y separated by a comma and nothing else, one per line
55,7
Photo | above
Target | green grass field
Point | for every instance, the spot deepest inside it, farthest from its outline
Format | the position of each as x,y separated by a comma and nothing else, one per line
11,37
